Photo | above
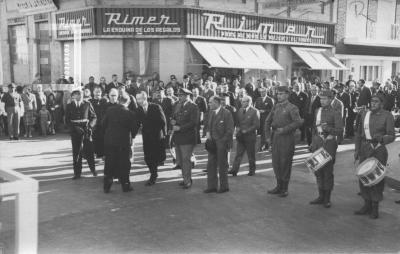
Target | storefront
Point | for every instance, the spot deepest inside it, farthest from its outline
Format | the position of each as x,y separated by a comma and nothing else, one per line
180,40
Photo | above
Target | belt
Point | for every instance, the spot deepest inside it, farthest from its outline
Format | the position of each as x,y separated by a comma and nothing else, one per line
80,121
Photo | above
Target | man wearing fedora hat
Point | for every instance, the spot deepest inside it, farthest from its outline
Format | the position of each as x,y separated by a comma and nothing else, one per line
13,105
184,123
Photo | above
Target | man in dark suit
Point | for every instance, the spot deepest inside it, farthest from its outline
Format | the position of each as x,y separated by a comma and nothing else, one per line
220,132
120,127
299,99
81,119
264,105
390,97
351,115
313,103
167,105
344,97
365,94
248,122
113,84
184,124
91,85
99,105
202,106
154,130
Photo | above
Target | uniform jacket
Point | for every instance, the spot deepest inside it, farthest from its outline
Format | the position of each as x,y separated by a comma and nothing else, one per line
186,116
381,127
221,126
84,111
332,118
249,121
390,98
120,125
284,115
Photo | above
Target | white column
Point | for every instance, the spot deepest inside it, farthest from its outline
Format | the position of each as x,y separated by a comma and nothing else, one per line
172,58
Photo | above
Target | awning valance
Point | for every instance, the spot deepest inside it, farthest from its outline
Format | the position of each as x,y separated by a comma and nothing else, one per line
235,55
319,59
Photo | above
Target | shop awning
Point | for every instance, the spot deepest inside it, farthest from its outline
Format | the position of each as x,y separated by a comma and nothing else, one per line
236,56
319,59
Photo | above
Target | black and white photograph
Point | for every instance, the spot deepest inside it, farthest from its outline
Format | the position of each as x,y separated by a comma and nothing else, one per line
199,126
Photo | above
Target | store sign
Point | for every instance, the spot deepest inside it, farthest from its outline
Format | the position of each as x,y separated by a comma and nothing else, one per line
32,6
139,21
256,28
66,21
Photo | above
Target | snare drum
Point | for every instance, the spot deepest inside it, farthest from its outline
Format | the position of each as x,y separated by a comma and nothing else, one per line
318,159
371,172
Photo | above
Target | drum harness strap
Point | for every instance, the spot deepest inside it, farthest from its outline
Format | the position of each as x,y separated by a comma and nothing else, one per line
319,128
368,137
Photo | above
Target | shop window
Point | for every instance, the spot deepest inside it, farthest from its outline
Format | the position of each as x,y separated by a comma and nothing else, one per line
369,73
154,57
397,18
19,54
42,33
18,44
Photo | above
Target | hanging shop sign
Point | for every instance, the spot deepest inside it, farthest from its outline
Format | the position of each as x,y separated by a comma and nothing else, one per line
30,7
258,28
140,21
66,20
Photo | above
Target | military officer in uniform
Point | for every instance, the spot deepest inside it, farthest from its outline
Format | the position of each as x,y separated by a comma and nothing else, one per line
283,120
248,121
328,125
220,132
81,119
184,123
374,132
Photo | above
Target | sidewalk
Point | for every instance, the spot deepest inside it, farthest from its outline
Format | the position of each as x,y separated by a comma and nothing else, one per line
77,217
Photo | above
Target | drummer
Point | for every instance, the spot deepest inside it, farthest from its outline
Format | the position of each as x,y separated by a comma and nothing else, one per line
374,132
327,126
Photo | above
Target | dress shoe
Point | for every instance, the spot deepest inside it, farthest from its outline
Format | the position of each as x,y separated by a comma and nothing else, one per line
232,173
107,185
222,190
205,170
210,190
16,138
177,167
181,183
76,177
126,187
187,186
283,194
320,199
94,173
327,199
12,138
275,190
251,173
150,182
397,202
374,210
366,209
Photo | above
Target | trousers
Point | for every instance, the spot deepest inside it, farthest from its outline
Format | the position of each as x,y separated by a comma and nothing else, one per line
218,165
248,145
13,120
183,155
79,144
282,156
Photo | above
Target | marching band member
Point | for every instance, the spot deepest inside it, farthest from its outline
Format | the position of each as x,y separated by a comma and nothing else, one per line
375,130
328,125
81,118
284,119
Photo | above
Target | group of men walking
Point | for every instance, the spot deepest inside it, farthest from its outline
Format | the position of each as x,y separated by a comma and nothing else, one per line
321,114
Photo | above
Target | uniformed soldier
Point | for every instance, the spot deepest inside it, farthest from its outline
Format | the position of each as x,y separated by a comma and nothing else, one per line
327,126
283,120
81,119
184,123
375,131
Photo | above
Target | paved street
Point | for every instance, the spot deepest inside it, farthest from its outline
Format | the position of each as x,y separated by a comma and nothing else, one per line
77,217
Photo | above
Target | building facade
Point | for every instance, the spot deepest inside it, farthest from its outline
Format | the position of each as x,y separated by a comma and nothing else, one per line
368,38
285,38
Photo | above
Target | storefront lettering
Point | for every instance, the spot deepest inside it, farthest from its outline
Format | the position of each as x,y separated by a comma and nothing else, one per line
117,19
66,23
216,21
